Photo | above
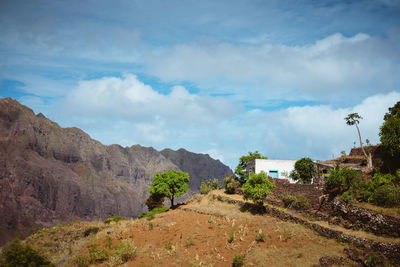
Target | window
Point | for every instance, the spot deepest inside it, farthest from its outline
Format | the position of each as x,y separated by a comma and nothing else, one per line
273,174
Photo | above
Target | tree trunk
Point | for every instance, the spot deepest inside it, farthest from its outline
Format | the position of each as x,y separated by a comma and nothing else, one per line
368,157
172,201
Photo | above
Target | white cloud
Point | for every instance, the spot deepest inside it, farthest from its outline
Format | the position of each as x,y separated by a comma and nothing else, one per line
329,69
127,98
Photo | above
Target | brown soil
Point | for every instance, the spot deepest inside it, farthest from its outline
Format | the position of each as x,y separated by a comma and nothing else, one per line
204,232
187,238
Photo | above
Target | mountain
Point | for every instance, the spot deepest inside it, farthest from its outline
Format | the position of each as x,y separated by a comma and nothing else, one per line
205,167
50,174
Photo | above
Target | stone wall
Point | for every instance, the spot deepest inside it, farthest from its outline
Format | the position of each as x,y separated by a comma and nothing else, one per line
310,191
368,220
391,250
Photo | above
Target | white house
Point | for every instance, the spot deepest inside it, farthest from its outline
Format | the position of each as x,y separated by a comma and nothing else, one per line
275,168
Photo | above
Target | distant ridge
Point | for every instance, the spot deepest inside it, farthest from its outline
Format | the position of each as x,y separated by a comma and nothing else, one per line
50,174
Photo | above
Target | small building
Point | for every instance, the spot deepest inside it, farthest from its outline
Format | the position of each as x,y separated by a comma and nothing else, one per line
275,168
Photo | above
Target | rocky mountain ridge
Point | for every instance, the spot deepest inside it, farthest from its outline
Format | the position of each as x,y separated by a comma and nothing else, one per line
50,174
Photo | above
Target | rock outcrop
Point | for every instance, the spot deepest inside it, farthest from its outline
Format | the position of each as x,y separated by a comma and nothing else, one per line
50,174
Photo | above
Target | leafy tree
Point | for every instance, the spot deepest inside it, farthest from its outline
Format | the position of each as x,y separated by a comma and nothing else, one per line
240,170
304,171
390,131
17,254
170,184
257,187
354,119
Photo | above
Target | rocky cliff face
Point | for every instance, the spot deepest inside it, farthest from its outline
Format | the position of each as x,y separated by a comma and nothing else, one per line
50,174
205,167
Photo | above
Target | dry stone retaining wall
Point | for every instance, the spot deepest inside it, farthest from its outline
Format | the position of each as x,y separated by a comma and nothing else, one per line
369,220
389,250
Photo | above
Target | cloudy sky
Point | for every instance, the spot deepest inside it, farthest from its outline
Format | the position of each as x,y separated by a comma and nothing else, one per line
222,77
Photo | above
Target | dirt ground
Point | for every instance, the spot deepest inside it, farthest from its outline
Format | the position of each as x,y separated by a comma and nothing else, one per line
204,232
184,237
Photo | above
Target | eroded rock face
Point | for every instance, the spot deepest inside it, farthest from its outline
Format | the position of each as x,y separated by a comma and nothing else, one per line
50,174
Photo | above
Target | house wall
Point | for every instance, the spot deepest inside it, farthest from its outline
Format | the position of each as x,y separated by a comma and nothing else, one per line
281,166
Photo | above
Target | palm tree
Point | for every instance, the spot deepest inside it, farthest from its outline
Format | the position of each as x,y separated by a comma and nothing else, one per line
354,119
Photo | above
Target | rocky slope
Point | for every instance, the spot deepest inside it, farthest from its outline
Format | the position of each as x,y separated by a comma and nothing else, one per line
50,174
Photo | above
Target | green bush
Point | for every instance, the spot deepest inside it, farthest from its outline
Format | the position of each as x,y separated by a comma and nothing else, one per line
257,187
16,254
238,261
343,179
209,185
114,219
150,215
386,195
231,184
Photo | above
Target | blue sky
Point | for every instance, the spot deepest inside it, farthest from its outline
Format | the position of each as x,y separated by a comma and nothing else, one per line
216,77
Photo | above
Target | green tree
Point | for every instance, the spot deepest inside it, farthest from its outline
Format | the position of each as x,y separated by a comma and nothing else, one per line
170,184
390,131
354,119
304,171
257,187
240,170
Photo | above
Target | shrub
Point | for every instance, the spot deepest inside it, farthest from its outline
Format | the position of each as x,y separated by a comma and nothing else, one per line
91,230
150,215
257,187
81,261
288,200
341,180
231,184
260,236
299,202
155,201
238,261
231,237
126,250
113,219
386,195
98,255
209,185
16,254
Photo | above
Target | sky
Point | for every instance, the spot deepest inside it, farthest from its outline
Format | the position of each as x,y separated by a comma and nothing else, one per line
222,77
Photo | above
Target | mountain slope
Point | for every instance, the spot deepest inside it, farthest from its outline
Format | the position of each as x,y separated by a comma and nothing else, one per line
205,167
50,174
